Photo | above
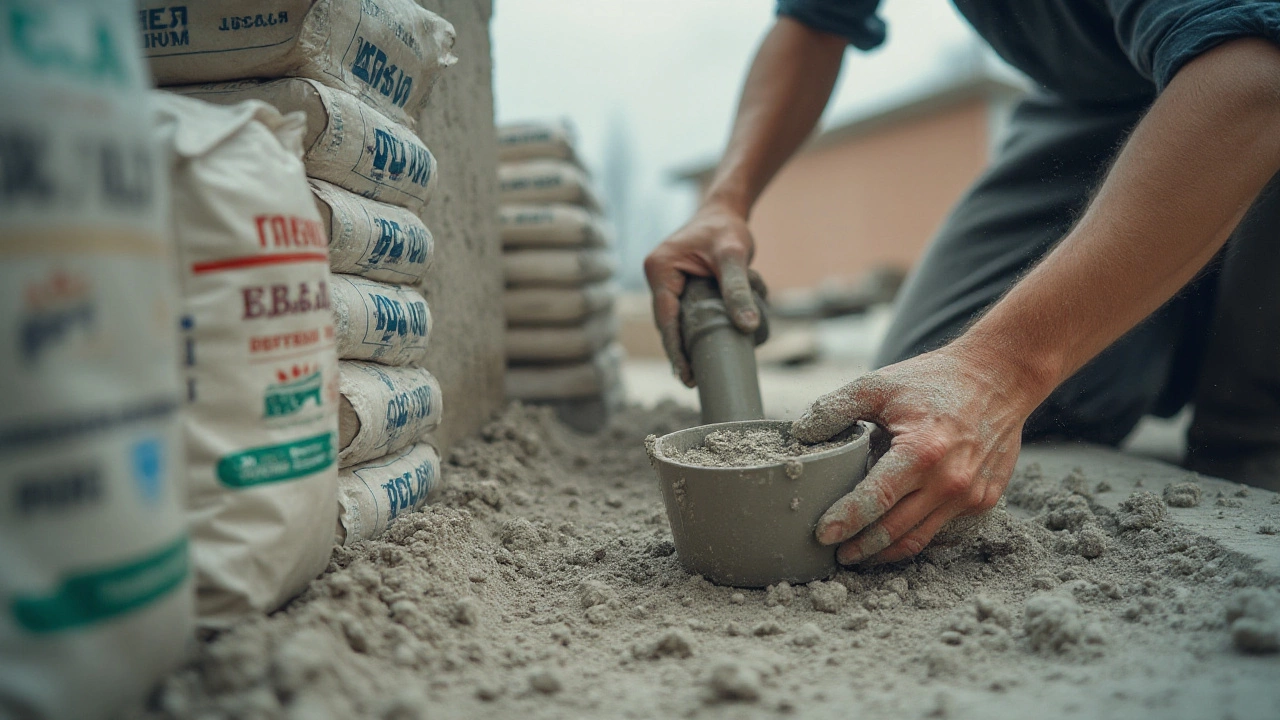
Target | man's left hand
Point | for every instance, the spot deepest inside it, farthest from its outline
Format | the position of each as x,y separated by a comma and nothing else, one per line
956,428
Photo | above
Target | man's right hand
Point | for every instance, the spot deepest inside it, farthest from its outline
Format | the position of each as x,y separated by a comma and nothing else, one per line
786,90
715,243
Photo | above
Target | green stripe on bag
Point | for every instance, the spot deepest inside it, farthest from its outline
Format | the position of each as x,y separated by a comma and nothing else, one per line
98,595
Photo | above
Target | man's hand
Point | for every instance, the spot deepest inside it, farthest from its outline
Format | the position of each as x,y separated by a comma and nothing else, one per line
715,243
1177,190
956,427
786,90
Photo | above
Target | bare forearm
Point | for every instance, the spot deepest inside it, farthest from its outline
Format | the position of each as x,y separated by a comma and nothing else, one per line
1177,190
786,91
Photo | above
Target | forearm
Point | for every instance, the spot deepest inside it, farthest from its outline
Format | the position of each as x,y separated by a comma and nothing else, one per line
1177,190
785,93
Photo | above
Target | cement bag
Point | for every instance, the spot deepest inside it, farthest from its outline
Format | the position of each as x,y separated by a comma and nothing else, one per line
592,378
373,493
260,367
550,226
376,321
535,141
383,409
561,344
386,52
557,268
95,590
347,142
373,239
556,306
545,181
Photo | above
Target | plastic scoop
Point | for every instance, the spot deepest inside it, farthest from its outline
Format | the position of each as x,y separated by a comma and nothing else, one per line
723,357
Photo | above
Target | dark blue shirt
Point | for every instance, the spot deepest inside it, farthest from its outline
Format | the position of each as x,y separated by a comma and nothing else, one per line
1092,51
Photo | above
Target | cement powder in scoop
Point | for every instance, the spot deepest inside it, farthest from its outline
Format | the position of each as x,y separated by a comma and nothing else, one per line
748,448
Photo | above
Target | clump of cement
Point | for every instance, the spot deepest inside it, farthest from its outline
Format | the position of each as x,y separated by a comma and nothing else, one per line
1182,495
733,681
748,448
547,682
780,594
1254,618
828,597
1141,511
673,643
1052,622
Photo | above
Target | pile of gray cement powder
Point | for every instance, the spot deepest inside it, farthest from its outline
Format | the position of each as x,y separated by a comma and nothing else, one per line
544,584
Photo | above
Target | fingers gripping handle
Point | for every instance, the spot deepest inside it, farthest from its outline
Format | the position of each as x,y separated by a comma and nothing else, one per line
722,356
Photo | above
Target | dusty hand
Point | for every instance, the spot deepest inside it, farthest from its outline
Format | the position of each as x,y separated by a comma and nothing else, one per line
956,427
715,243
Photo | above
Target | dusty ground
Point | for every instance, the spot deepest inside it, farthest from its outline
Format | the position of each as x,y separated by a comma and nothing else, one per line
544,585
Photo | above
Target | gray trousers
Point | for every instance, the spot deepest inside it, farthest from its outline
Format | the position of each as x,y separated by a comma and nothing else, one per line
1215,345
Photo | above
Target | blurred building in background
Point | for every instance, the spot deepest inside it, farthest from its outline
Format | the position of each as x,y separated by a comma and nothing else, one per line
847,218
869,191
908,128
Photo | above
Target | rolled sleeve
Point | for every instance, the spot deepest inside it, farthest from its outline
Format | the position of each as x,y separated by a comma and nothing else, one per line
1160,36
854,20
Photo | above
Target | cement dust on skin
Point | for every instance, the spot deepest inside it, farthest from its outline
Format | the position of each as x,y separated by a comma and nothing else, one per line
544,584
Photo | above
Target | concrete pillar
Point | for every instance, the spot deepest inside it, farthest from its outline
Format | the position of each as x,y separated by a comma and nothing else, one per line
464,286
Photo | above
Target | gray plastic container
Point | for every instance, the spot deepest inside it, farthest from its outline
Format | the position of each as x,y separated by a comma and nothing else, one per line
754,526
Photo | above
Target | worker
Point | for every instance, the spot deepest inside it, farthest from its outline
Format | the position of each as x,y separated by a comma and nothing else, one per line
1120,257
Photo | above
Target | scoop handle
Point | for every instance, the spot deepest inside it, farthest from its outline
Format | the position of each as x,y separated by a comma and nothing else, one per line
722,356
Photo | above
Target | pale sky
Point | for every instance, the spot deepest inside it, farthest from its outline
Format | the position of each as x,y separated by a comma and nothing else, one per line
671,70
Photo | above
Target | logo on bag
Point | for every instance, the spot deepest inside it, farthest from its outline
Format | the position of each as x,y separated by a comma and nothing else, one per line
88,49
408,490
294,389
408,407
250,22
164,27
397,158
53,489
115,173
387,79
288,232
148,468
397,244
270,301
393,318
52,309
277,463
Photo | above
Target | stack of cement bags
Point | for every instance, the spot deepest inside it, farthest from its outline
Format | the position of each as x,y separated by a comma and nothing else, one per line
561,326
355,75
94,570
